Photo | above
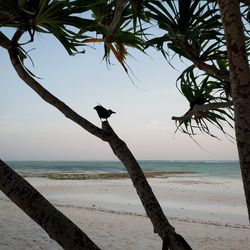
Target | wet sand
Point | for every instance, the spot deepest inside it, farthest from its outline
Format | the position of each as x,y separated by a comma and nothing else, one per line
210,213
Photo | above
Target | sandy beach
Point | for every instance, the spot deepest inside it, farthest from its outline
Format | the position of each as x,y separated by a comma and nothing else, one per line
209,212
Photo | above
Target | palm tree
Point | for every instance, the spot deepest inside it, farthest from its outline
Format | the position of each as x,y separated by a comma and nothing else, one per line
236,42
214,84
55,17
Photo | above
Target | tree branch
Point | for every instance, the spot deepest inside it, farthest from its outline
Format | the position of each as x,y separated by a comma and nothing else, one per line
165,230
203,66
55,223
51,99
204,107
120,6
4,41
149,201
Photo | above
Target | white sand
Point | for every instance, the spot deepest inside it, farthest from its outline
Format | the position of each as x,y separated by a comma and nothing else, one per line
209,213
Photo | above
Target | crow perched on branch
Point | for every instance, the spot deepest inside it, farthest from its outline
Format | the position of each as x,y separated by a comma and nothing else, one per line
103,113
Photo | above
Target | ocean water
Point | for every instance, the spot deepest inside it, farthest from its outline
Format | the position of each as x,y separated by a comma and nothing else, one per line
226,169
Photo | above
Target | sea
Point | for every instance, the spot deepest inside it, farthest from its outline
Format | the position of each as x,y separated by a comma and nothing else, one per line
225,169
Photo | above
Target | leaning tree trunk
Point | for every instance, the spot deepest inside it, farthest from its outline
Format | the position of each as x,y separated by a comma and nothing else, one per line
171,240
55,223
240,85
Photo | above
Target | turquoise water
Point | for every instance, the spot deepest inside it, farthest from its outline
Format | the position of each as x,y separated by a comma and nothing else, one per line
227,169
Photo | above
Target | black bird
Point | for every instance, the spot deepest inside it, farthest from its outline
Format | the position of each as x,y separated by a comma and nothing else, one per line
103,113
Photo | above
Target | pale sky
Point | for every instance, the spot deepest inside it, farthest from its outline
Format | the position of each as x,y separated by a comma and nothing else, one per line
31,129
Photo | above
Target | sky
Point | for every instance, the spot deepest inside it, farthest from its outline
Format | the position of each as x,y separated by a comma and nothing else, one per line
31,129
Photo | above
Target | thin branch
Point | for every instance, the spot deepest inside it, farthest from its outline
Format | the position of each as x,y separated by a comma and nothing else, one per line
51,99
120,6
203,66
204,107
16,37
5,43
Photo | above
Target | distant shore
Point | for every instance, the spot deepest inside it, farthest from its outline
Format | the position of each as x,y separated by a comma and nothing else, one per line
116,170
209,212
98,176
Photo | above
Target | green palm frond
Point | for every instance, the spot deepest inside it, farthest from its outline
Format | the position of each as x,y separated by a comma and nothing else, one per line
124,36
203,89
185,23
56,17
192,29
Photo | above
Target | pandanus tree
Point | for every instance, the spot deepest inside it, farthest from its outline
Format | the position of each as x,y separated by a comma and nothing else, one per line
213,36
212,84
60,18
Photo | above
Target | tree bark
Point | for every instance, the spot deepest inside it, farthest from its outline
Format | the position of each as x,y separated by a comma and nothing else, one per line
171,240
240,85
160,223
119,8
55,223
200,64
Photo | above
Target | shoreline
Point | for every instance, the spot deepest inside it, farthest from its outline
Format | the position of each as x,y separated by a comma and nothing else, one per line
99,176
208,212
115,169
